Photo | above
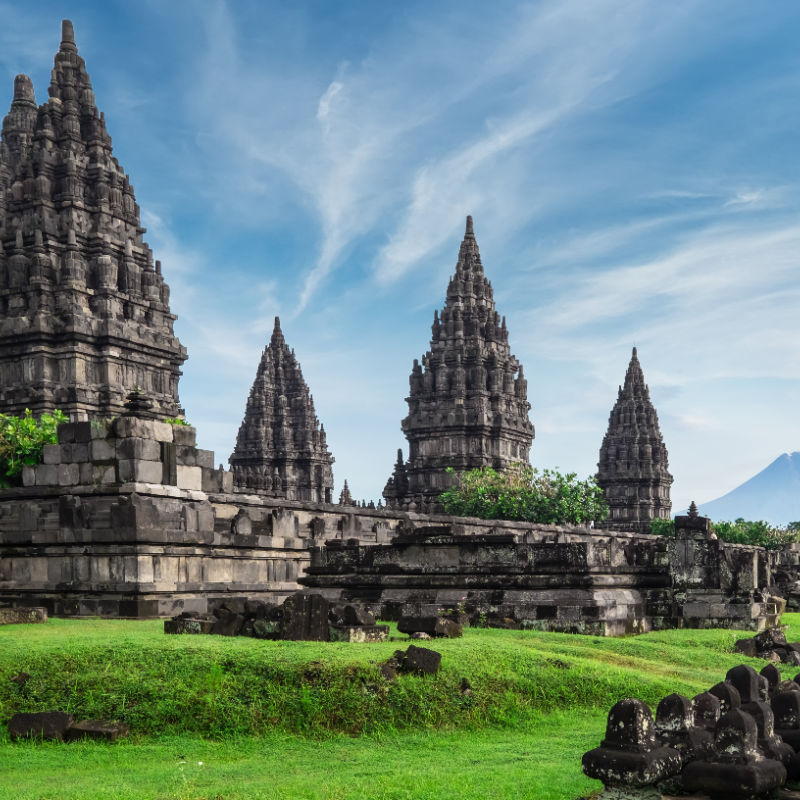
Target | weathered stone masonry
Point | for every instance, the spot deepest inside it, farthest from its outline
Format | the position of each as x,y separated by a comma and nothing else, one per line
84,311
467,404
549,578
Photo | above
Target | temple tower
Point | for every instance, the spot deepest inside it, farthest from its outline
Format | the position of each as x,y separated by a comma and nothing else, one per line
633,471
281,448
468,404
84,311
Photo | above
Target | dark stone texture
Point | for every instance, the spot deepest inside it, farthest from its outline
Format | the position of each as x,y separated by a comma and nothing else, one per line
84,314
305,618
633,470
706,711
281,449
746,681
467,404
737,770
41,725
630,754
351,615
786,708
102,729
228,624
419,660
22,616
433,626
675,727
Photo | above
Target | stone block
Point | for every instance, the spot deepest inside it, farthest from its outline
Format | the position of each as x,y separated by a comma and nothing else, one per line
128,427
86,473
190,478
47,475
359,633
135,471
68,474
305,618
205,458
228,624
22,616
349,615
42,725
74,452
104,474
28,476
74,432
188,625
433,626
170,464
102,451
184,435
102,729
420,660
186,456
747,647
51,454
135,447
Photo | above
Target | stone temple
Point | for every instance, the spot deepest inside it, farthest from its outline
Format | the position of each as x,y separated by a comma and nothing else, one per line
633,471
468,405
84,311
281,449
126,516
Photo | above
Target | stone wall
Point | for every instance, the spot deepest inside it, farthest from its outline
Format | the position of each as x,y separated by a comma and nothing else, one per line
129,518
548,578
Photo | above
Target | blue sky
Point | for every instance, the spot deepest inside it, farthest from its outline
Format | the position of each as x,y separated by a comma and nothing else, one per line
631,167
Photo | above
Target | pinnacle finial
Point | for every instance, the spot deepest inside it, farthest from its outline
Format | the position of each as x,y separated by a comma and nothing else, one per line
23,89
469,231
67,36
693,512
634,354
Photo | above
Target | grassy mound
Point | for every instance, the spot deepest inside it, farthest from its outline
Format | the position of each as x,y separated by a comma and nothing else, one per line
219,687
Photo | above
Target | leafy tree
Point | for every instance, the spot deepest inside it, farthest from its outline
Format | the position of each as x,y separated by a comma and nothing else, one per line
21,442
526,494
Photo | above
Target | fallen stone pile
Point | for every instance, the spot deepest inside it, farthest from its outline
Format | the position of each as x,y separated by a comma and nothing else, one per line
301,617
770,645
56,725
740,739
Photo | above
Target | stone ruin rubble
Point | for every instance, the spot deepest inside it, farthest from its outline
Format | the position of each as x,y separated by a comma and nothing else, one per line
739,739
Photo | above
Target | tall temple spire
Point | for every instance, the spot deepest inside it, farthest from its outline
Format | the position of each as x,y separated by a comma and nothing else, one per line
468,404
84,318
281,448
633,470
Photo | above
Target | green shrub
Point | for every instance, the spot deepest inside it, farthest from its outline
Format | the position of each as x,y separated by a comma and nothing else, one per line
662,527
741,531
758,533
21,442
526,494
175,421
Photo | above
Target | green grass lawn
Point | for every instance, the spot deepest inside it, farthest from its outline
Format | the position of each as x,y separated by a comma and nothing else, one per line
308,720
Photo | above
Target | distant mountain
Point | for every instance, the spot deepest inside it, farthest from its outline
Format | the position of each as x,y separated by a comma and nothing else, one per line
772,495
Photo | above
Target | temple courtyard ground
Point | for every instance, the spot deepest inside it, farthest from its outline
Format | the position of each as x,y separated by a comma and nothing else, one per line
218,718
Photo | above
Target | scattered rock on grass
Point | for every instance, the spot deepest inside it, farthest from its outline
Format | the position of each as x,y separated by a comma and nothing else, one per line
40,725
